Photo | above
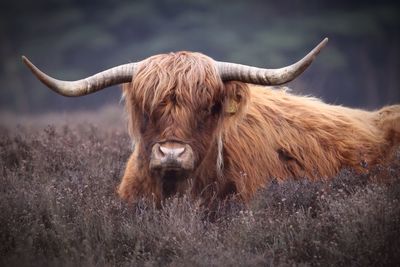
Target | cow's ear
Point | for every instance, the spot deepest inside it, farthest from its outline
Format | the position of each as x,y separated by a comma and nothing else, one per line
231,107
236,98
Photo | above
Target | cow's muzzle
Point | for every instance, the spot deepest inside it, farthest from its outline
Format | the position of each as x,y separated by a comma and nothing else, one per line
171,156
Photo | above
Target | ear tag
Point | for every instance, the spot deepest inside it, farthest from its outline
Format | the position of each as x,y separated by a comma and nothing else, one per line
232,107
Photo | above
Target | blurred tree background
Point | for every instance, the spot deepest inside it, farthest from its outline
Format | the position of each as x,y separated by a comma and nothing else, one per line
71,39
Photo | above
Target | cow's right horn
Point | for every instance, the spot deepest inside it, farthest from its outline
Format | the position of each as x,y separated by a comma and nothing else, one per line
248,74
101,80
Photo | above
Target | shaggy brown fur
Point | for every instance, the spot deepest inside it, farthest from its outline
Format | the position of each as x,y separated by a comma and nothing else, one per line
263,133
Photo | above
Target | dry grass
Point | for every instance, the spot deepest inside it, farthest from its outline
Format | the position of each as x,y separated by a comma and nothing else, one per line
58,207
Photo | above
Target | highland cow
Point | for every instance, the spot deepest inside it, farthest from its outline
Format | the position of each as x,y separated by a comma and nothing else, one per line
213,129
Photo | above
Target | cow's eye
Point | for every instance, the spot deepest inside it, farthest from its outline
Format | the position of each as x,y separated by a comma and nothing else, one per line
216,109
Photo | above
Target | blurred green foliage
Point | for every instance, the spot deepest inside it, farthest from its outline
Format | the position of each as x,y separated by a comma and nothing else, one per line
73,39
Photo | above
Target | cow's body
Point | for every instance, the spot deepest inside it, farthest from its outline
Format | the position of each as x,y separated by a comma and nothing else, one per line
280,135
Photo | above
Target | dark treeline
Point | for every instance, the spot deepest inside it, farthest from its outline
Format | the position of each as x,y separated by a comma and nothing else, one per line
72,39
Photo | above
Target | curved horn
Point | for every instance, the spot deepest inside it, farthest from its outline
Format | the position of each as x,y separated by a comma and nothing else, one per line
231,71
91,84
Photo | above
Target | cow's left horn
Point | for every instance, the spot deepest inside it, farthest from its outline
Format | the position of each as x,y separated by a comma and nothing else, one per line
113,76
237,72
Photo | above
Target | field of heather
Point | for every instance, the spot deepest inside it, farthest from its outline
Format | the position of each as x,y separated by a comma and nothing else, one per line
58,207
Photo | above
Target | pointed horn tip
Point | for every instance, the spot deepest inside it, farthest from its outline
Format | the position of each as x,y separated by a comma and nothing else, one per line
318,48
24,59
323,43
27,62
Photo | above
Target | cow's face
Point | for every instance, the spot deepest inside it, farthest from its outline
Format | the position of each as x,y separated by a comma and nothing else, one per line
177,104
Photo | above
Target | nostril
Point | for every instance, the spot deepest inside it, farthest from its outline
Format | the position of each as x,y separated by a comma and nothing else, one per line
160,151
179,151
173,152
